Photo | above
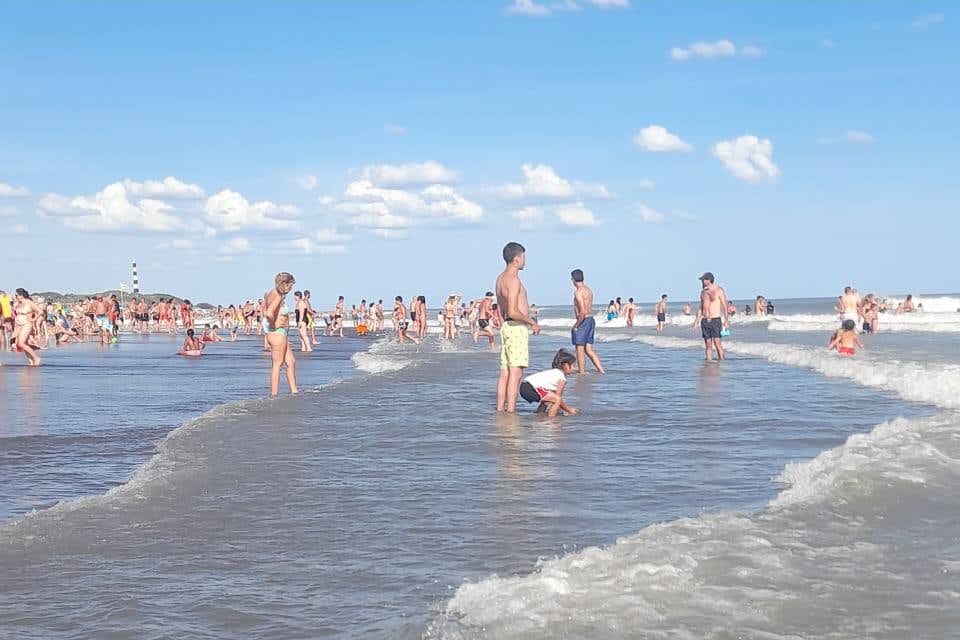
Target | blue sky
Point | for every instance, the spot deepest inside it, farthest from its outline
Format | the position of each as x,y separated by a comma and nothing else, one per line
384,148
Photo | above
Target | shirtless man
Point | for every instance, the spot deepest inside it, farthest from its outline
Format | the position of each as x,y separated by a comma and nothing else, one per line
311,317
661,311
484,314
630,310
850,306
686,309
760,306
248,315
300,317
378,313
583,330
712,315
337,318
400,321
514,352
101,310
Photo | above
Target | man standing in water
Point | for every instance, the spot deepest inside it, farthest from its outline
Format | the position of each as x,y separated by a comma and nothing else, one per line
661,313
514,352
585,326
712,315
850,306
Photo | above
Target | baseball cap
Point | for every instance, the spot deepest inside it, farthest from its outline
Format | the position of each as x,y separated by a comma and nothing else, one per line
706,276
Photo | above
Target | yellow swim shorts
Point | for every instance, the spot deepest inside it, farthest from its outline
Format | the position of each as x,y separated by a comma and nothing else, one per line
514,349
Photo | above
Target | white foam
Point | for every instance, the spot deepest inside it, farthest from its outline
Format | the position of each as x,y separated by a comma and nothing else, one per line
931,322
384,356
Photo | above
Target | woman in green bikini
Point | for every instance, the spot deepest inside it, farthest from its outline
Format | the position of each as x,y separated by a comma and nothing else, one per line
278,322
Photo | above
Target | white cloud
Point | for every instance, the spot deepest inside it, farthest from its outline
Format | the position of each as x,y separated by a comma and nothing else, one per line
704,51
927,21
646,184
610,4
529,217
307,246
751,51
852,136
437,202
236,247
9,211
14,230
576,215
657,138
748,157
527,8
307,182
330,235
10,191
324,201
542,182
390,234
649,215
395,129
405,175
827,43
230,211
168,188
111,210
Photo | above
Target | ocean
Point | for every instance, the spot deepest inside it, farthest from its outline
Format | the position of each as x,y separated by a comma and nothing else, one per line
784,493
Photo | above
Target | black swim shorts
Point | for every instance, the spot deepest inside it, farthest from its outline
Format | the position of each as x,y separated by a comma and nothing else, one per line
483,324
711,328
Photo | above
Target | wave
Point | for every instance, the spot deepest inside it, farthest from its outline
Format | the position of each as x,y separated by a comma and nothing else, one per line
751,572
384,356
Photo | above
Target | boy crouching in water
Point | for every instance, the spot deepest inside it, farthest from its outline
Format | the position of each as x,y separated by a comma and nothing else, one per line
546,387
846,340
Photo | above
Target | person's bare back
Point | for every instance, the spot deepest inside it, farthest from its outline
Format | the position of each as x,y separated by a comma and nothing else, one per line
583,302
512,295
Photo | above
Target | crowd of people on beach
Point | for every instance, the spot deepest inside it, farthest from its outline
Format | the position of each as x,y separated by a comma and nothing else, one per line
29,325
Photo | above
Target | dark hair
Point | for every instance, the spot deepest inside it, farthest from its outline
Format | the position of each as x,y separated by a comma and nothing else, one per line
663,297
422,299
563,357
23,293
306,292
297,294
190,333
512,250
577,275
398,299
631,300
340,298
848,325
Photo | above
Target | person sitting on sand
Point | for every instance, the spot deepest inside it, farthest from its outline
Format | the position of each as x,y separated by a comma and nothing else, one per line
546,387
192,343
846,339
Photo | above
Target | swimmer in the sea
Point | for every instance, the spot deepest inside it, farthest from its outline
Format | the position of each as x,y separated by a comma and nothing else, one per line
630,310
661,313
192,343
278,324
546,387
846,340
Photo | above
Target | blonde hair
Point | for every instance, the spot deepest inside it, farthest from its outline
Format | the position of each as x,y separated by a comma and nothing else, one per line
284,278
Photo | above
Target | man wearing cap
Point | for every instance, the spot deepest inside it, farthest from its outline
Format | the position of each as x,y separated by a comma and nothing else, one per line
712,315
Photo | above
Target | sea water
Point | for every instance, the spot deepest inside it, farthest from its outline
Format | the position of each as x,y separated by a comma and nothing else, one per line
784,493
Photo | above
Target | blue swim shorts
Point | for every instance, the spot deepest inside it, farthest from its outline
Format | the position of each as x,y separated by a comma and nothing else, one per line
583,335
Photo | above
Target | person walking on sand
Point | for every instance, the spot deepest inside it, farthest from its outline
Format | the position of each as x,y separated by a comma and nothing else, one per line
278,325
712,315
582,334
514,350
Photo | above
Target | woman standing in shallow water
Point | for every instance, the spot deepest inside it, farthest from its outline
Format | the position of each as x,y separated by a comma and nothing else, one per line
278,322
28,312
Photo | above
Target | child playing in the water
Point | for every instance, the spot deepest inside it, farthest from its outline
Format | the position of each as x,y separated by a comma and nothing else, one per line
192,343
846,339
546,387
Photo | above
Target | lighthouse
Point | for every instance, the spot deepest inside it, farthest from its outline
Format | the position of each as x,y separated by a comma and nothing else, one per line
136,279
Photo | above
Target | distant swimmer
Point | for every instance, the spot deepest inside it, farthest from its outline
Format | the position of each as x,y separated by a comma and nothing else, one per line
400,321
514,340
278,325
630,310
712,315
546,387
611,311
210,334
760,306
849,306
870,311
845,340
583,330
908,304
686,309
661,311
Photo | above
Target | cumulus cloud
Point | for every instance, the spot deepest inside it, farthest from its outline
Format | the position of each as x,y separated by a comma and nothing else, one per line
230,211
850,136
181,244
307,182
529,217
748,157
9,211
325,201
330,235
541,182
10,191
437,203
610,4
235,247
305,245
646,184
395,129
711,50
927,21
657,138
412,174
536,9
168,188
111,209
576,215
390,234
649,215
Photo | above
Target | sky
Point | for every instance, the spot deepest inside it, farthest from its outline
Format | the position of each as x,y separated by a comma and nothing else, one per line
376,149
